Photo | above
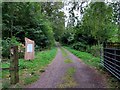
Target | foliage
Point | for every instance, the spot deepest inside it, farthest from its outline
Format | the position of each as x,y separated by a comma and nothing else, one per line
5,48
95,27
79,46
68,37
24,19
6,44
75,11
98,18
30,79
44,58
94,50
86,57
29,70
116,14
53,12
6,85
94,62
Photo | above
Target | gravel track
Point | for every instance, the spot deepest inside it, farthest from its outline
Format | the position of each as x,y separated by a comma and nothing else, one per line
85,76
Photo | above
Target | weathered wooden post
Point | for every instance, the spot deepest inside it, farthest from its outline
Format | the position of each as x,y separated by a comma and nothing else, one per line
104,54
14,69
101,55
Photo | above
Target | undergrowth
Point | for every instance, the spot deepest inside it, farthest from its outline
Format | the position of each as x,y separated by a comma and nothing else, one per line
94,62
29,71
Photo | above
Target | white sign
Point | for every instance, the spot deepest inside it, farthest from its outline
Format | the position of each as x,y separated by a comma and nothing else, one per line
29,48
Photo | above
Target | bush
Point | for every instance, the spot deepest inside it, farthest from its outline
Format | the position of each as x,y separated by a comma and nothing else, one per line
21,50
5,48
5,85
79,46
94,50
30,79
6,44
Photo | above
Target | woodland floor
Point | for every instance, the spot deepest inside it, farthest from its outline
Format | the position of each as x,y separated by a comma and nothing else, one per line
68,71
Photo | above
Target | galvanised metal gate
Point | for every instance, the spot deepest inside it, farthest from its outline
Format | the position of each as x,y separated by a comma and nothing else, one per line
110,58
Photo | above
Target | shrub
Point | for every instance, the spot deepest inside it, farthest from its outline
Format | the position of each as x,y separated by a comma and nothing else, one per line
5,85
5,48
6,44
94,50
79,46
30,79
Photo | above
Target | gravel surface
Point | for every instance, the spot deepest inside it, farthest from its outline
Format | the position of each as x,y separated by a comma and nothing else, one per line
85,76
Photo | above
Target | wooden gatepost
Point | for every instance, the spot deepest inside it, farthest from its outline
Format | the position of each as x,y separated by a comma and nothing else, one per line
14,69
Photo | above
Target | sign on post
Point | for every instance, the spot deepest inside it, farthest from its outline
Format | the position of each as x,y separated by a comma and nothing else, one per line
29,49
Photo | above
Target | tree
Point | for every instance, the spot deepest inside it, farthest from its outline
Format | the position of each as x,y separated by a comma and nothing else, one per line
98,18
75,11
116,8
24,19
53,12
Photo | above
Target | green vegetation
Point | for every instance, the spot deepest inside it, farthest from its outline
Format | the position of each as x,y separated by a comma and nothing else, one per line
98,25
29,70
43,22
5,65
68,80
94,62
86,57
63,52
68,61
71,71
52,12
32,20
31,79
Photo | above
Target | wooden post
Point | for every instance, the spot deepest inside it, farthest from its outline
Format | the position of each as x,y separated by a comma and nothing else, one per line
14,69
104,54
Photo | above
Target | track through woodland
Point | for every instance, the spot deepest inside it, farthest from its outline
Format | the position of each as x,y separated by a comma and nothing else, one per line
68,71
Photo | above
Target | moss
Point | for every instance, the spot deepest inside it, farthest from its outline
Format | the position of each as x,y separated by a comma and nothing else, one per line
68,61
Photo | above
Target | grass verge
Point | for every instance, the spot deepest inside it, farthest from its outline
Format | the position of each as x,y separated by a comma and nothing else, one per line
68,80
68,61
86,57
64,53
94,62
29,71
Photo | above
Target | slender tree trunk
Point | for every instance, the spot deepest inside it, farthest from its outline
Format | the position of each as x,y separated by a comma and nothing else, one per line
119,22
119,33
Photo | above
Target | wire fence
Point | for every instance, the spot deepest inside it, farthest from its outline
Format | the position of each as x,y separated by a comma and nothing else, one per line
110,58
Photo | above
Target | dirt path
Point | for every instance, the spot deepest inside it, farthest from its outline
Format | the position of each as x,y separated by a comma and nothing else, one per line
67,71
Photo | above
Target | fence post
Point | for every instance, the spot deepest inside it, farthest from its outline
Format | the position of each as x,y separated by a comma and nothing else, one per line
115,57
104,46
14,69
101,55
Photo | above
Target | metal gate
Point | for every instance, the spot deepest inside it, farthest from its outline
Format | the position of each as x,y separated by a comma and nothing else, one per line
110,58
